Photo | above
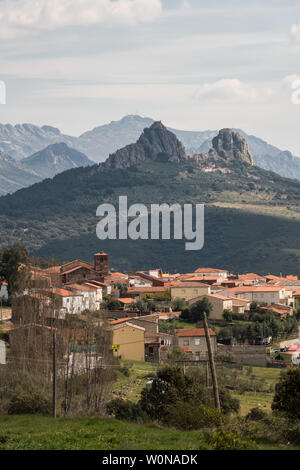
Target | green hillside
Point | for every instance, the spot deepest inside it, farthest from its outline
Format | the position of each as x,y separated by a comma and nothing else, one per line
252,216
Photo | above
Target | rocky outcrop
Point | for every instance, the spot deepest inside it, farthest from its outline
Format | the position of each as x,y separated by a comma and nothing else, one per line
156,143
228,147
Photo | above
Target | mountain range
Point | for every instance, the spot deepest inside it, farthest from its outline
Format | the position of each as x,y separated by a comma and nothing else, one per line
23,140
46,163
252,216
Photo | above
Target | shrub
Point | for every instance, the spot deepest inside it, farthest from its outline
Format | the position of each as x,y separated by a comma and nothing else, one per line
291,432
229,440
287,393
125,370
31,404
228,403
256,414
187,416
126,410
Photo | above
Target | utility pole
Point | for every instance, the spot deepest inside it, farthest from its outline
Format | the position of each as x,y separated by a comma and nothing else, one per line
212,363
54,373
207,375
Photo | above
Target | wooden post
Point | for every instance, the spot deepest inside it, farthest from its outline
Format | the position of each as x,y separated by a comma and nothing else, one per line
54,373
207,375
212,363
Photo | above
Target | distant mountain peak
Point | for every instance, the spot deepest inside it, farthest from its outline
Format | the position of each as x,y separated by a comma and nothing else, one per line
54,159
156,143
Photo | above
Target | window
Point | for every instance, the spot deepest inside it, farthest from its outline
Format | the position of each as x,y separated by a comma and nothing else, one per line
183,291
186,342
195,291
197,342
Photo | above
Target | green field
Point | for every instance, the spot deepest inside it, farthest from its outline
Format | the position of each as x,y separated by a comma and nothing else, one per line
130,387
36,432
41,433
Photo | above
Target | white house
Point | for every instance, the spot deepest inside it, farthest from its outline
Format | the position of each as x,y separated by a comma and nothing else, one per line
89,293
4,291
71,303
263,294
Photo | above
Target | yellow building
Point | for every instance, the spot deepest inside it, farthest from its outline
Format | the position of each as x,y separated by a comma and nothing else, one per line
189,290
129,341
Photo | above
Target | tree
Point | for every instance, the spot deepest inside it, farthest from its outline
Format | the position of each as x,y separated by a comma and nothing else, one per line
178,305
14,268
123,289
197,309
111,303
227,315
287,393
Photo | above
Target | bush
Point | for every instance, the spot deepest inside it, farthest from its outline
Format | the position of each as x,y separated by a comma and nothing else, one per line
188,417
256,414
125,370
228,440
126,410
228,403
287,393
291,432
30,404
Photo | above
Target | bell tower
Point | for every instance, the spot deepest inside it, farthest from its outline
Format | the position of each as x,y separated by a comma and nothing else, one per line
101,263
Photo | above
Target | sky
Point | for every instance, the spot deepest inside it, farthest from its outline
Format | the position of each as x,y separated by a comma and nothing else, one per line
193,64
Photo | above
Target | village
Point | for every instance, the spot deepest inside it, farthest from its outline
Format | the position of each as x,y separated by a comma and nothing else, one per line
145,315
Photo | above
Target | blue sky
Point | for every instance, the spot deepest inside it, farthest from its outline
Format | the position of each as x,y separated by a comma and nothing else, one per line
196,64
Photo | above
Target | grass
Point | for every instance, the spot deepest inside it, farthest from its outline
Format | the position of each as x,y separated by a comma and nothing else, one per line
264,400
37,433
42,433
130,387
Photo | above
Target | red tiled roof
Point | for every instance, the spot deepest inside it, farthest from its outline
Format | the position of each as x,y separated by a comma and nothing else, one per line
189,284
82,287
251,276
64,292
77,268
210,270
121,320
240,290
127,301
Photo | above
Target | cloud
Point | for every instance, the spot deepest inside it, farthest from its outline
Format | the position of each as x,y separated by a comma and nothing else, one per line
24,16
231,90
289,81
295,33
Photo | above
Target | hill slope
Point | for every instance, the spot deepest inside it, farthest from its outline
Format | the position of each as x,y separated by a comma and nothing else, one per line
13,175
55,159
252,216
